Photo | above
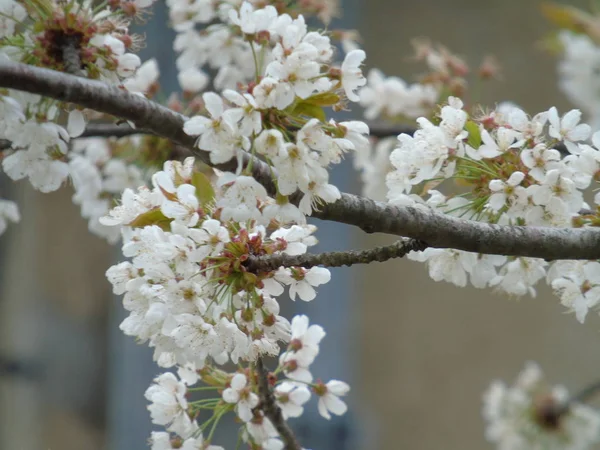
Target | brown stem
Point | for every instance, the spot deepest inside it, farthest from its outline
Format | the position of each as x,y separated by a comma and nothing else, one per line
111,130
272,411
335,259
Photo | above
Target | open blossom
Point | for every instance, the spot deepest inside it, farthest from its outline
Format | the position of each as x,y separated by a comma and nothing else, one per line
303,281
252,21
168,404
144,78
568,128
239,394
239,201
192,80
577,73
291,398
503,191
352,77
329,398
393,97
217,134
304,348
577,283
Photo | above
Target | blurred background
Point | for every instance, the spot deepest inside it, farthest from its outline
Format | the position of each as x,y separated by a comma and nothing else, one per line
417,354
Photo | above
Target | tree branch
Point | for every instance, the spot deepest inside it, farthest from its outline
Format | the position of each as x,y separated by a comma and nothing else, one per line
335,259
586,393
112,130
437,230
272,411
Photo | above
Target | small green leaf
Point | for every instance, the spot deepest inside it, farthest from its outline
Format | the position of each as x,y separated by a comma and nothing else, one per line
566,17
323,99
204,190
306,109
474,139
152,217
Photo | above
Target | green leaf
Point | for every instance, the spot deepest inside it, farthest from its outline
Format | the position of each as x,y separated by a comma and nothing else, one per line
474,139
566,17
204,190
323,99
309,110
152,217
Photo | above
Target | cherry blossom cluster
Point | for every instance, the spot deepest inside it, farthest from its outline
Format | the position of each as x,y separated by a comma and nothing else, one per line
531,414
242,42
280,117
393,100
191,233
39,151
578,73
576,44
58,35
513,175
43,33
191,297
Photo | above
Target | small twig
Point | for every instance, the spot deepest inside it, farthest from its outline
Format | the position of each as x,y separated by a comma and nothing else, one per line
586,393
272,411
335,259
550,413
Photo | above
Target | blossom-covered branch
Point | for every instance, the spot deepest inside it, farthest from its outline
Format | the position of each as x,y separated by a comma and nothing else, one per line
436,229
335,259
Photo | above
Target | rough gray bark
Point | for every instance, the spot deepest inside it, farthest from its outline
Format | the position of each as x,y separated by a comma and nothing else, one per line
437,230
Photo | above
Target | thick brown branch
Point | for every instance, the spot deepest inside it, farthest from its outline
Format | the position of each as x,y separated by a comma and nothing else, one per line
111,130
335,259
272,411
438,230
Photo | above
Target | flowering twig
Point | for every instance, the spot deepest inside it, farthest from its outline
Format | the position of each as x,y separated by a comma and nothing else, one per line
438,230
272,411
335,259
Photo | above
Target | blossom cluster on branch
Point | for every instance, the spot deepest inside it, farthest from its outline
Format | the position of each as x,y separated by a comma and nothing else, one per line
210,252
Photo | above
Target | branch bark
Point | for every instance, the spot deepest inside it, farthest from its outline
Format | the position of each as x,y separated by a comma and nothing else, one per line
335,259
437,230
111,130
272,411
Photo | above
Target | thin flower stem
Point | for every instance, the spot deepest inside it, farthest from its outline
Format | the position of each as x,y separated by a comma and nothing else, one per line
586,393
256,69
214,427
